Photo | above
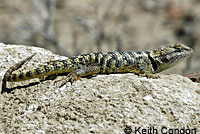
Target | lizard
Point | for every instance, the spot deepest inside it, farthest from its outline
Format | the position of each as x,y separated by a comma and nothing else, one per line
140,62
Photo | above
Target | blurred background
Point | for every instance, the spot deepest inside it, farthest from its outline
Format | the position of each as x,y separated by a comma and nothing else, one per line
72,27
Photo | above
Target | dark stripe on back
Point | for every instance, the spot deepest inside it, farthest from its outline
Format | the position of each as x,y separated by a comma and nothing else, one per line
72,60
132,57
119,60
14,77
113,55
126,57
103,60
90,58
132,54
96,57
37,71
21,76
115,58
28,74
65,62
139,52
47,68
80,59
87,59
153,62
110,62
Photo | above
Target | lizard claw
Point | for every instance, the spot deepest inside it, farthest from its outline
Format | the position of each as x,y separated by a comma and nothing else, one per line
71,77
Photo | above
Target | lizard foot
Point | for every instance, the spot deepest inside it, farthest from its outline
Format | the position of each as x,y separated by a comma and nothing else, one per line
71,77
153,76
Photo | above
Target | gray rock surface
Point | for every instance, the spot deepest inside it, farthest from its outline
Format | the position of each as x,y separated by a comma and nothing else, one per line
101,104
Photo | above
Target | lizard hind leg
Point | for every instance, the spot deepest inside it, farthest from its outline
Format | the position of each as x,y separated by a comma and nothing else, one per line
84,71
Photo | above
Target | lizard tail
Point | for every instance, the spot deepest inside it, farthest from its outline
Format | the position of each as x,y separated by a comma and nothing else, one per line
44,70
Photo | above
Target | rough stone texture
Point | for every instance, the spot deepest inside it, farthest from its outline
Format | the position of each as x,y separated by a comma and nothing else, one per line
101,104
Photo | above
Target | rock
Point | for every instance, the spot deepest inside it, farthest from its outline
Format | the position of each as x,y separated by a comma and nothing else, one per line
101,104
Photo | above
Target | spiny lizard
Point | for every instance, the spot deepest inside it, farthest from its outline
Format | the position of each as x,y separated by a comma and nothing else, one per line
141,62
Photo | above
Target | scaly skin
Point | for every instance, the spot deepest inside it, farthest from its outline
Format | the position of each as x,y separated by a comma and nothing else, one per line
142,62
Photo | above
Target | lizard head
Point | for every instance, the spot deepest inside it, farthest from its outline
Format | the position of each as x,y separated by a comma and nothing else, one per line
167,57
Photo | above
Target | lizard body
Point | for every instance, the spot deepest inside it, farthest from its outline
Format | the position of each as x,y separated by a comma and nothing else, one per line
141,62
